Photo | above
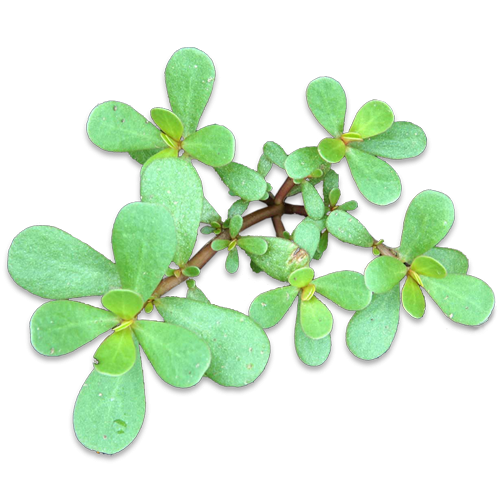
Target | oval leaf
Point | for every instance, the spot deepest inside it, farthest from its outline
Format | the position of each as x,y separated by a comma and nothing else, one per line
253,245
232,261
235,225
168,122
126,304
348,229
454,261
412,298
316,320
313,202
303,162
240,348
373,118
275,153
331,150
268,308
301,277
312,352
307,235
383,273
116,355
213,145
244,182
54,265
427,266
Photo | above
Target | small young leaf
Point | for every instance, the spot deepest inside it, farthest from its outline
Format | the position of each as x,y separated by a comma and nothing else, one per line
348,229
302,162
218,244
323,245
333,196
275,153
54,265
377,181
235,225
194,293
383,273
370,332
331,150
312,352
313,202
264,166
244,182
213,145
168,122
126,304
412,298
345,288
232,261
331,181
140,230
116,355
464,299
115,126
109,411
301,277
240,348
307,235
237,208
178,356
373,118
191,271
454,261
253,245
348,205
316,319
208,213
207,230
268,308
427,221
326,99
427,266
62,326
189,77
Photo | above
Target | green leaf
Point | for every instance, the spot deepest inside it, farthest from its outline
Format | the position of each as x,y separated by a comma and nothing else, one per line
326,99
240,348
334,196
303,162
373,118
178,356
427,266
312,352
208,213
383,273
126,304
331,150
243,181
348,229
412,298
427,221
253,245
455,262
275,153
301,277
168,122
54,265
218,245
281,259
189,77
402,140
235,225
313,202
348,205
370,332
164,153
331,181
115,126
116,355
237,208
62,326
191,271
464,299
213,145
377,181
232,261
264,166
316,319
143,155
307,235
194,293
323,245
143,243
175,184
345,288
109,411
268,308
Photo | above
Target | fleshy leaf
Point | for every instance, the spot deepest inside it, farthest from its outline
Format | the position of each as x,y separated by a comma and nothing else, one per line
334,196
240,348
143,155
301,277
115,126
383,273
427,266
54,265
178,356
253,245
307,235
281,259
331,150
116,355
189,77
370,332
348,205
264,166
326,99
303,162
126,304
322,246
373,118
313,202
427,221
268,308
109,411
345,288
175,184
144,244
213,145
348,229
464,299
239,207
232,261
219,244
208,213
191,271
331,181
235,225
244,182
312,352
316,319
377,181
62,326
275,153
402,140
168,122
194,293
454,261
164,153
412,298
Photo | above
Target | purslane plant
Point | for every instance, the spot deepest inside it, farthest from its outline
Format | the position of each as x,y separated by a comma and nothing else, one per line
153,242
